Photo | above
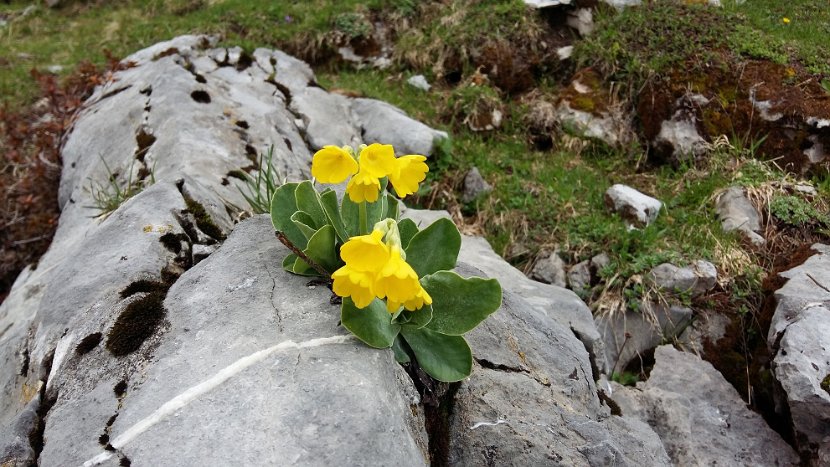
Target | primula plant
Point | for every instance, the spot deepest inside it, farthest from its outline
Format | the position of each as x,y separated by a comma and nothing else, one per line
395,280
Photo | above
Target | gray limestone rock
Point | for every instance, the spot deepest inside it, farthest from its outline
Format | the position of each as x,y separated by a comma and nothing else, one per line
112,300
695,279
579,277
474,186
550,269
628,335
799,338
737,213
636,208
382,122
699,416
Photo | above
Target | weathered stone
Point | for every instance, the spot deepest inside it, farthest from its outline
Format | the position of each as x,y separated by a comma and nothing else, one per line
474,186
630,334
695,279
699,416
107,304
579,277
550,269
384,122
581,19
799,338
708,328
607,127
636,208
737,213
531,399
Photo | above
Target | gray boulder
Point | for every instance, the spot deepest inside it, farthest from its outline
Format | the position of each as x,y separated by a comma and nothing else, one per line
799,339
695,279
700,417
579,277
634,207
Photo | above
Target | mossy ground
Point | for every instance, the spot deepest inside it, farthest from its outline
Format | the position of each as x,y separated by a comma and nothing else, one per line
549,185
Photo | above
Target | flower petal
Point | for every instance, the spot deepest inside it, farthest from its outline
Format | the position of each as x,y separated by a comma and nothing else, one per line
409,172
354,284
363,187
332,165
377,160
365,252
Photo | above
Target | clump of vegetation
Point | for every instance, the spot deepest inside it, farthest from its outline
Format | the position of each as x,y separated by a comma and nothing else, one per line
259,189
118,188
795,211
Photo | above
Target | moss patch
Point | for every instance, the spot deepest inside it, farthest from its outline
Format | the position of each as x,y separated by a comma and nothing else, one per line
88,343
825,384
203,219
136,323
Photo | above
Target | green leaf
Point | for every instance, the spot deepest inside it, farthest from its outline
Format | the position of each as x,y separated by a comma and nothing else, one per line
305,224
373,324
435,248
349,211
460,304
407,229
416,319
288,262
398,347
393,210
283,206
308,201
321,250
445,358
329,201
301,268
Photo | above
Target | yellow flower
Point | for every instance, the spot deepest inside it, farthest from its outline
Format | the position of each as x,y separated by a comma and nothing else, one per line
363,187
377,160
409,172
364,255
332,165
786,20
365,252
356,284
398,282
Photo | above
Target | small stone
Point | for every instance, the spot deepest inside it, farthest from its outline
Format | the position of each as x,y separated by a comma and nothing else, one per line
54,69
419,81
582,20
737,213
546,3
565,53
474,186
636,208
579,277
600,261
234,54
696,279
550,269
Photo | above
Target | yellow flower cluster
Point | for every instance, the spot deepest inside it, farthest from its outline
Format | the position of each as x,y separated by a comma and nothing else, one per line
333,164
376,269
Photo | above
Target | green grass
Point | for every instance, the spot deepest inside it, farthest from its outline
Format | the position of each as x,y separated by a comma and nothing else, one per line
803,39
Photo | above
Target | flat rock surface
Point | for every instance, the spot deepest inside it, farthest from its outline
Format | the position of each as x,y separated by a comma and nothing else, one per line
699,416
